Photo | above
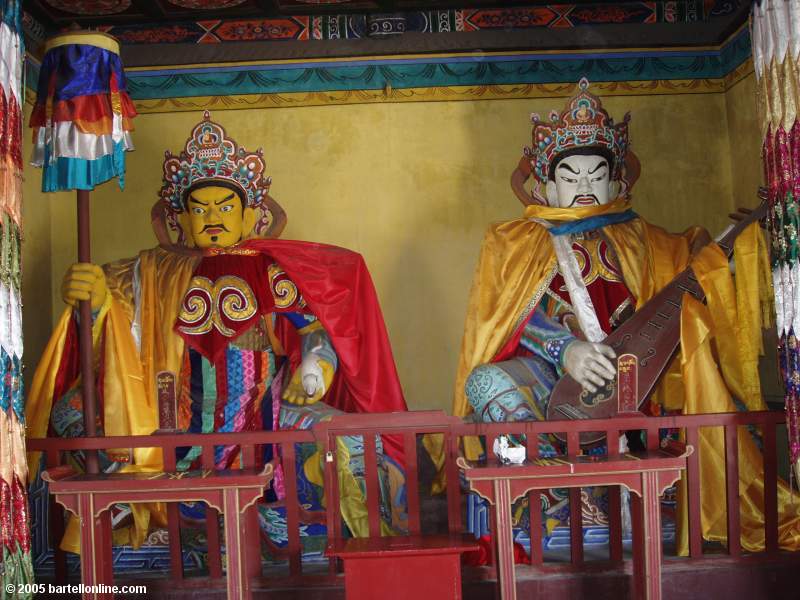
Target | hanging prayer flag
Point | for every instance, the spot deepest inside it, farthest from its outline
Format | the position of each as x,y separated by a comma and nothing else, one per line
16,570
83,114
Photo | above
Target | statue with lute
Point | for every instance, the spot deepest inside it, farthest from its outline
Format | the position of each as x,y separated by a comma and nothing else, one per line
582,309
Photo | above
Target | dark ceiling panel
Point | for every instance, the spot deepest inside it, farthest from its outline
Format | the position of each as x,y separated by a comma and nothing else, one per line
343,27
60,13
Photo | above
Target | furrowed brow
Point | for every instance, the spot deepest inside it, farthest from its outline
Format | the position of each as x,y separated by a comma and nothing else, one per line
568,168
193,199
224,200
602,163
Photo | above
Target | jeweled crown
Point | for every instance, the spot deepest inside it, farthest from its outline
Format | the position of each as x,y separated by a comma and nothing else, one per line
210,155
583,124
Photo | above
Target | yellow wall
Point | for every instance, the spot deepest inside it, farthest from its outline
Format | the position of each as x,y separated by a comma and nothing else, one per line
746,176
412,187
38,286
745,141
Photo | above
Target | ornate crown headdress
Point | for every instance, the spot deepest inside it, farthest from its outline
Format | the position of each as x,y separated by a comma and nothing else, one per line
583,124
210,156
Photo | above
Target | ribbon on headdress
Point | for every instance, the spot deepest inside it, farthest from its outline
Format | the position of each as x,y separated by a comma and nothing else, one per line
591,223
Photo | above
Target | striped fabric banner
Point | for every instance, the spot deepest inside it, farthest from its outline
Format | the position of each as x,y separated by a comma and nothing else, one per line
16,569
83,117
775,30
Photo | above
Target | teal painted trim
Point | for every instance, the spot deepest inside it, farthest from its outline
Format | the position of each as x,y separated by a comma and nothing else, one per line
426,72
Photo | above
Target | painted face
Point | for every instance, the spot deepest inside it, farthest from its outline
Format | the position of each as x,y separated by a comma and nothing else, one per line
580,181
216,217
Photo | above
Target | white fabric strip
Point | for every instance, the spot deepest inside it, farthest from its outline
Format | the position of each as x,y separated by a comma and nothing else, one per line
71,142
793,282
767,43
10,64
756,35
117,132
787,298
777,286
5,321
578,294
780,27
794,29
15,313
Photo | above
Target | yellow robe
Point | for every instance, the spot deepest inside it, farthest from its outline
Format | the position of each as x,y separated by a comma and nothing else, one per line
513,271
130,406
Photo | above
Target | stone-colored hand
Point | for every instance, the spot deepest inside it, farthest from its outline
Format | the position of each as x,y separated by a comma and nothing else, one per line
590,364
310,381
84,281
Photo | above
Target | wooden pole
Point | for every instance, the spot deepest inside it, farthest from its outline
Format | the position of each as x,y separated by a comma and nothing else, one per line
85,335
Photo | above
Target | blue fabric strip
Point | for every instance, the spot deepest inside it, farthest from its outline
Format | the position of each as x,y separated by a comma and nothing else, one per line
590,223
80,70
82,174
235,391
299,320
18,397
5,390
11,15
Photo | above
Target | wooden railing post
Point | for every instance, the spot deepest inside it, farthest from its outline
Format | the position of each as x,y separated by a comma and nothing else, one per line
534,505
732,489
292,505
371,481
614,504
333,519
252,529
412,482
575,506
212,523
453,483
638,543
173,518
693,493
770,489
652,438
52,459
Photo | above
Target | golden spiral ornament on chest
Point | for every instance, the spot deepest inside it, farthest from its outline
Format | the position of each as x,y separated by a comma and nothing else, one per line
207,304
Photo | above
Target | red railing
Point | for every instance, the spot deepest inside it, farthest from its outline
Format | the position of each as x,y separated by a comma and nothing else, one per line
408,426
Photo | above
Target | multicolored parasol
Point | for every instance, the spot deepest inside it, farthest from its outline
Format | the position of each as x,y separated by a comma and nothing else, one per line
81,130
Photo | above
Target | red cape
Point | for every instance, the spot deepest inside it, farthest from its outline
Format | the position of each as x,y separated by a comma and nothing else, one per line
338,289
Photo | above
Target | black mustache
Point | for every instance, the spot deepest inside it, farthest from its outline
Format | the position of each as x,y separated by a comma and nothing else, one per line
575,199
214,226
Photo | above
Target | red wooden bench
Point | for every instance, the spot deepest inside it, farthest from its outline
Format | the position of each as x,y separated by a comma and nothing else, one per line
645,474
414,566
89,497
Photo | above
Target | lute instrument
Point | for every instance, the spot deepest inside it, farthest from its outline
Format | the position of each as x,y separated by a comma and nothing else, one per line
644,344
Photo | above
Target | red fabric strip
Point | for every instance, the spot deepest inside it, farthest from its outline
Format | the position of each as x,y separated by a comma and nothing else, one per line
90,108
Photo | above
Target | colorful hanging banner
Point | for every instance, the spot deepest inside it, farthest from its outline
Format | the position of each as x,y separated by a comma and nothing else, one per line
16,569
775,29
82,120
